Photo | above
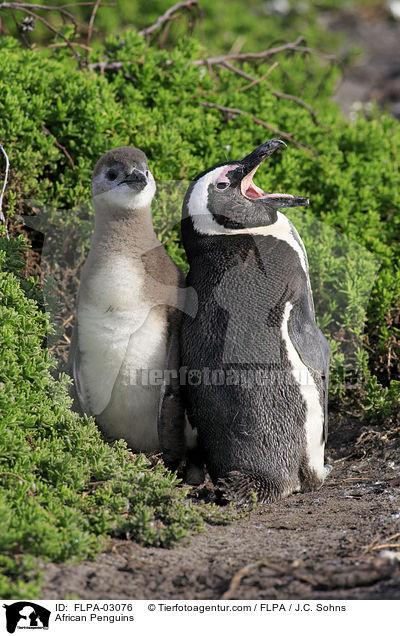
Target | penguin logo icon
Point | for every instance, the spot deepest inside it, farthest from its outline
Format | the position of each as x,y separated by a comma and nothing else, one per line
26,615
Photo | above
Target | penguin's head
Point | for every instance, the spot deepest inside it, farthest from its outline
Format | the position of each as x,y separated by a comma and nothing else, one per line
224,198
121,180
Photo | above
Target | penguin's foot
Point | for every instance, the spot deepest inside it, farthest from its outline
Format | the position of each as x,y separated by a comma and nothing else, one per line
172,463
247,488
194,475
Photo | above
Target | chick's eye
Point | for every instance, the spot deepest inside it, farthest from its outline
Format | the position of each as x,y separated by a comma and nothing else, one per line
147,173
111,175
222,185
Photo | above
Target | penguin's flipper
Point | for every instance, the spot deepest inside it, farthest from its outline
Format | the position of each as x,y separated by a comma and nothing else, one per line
312,347
171,412
167,282
80,401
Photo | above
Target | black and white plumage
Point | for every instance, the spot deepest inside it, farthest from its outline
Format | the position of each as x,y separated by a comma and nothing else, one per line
257,364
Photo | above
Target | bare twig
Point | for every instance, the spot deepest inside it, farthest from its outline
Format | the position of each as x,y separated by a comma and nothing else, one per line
56,45
68,321
373,545
223,61
299,101
88,4
249,56
21,33
238,71
289,46
2,217
91,22
169,15
237,111
257,80
64,150
32,9
357,479
24,6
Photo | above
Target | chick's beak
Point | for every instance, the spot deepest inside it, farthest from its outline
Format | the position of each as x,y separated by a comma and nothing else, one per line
136,180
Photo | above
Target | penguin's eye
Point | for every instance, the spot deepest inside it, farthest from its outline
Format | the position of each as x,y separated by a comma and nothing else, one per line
111,175
222,185
147,173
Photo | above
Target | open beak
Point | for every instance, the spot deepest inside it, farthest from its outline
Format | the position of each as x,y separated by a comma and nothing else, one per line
251,163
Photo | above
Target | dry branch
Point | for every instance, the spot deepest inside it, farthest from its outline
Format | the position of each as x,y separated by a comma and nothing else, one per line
56,45
169,15
291,46
238,71
2,217
91,21
374,545
22,34
236,111
245,57
299,101
62,148
23,6
32,9
257,80
36,16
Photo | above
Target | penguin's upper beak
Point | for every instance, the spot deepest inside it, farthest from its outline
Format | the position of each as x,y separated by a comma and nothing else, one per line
250,165
136,180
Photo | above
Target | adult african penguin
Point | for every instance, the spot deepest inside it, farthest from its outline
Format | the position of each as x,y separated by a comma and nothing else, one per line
126,330
254,362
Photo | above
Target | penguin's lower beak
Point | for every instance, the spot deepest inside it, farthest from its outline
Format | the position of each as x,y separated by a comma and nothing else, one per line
136,180
249,189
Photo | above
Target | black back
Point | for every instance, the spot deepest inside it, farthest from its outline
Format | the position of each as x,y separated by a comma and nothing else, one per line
243,283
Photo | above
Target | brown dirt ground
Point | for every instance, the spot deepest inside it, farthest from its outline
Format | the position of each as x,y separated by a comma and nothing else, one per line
341,542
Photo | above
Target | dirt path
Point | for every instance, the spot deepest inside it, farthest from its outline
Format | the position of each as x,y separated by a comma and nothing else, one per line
314,545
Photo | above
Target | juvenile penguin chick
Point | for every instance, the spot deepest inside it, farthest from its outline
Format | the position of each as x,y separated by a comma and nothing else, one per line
261,408
127,313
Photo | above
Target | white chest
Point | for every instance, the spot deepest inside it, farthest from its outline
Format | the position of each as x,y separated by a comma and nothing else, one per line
119,331
117,286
